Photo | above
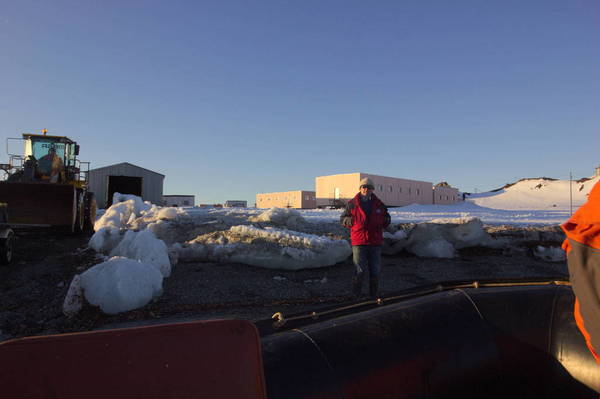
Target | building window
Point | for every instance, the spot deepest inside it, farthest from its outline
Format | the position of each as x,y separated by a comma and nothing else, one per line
409,190
380,187
418,191
391,189
399,189
186,202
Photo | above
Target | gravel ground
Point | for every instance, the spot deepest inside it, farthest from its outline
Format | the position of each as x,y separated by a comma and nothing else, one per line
33,288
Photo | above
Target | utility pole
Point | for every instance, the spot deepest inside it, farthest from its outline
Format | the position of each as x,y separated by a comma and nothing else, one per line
571,191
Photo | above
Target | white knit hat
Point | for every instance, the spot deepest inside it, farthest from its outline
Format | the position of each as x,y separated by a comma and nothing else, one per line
367,182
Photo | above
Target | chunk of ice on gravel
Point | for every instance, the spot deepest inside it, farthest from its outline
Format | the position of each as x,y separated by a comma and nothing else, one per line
121,284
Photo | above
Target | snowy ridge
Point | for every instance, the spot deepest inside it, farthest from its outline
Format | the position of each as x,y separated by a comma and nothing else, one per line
537,194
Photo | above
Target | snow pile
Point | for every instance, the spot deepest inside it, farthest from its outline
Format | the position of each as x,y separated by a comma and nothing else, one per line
550,254
440,238
139,260
280,217
143,246
105,239
124,210
270,247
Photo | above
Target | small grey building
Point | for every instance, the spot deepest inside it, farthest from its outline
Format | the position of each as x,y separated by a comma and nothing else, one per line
179,200
125,178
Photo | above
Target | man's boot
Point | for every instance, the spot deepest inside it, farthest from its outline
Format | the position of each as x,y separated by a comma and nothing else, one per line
357,285
373,287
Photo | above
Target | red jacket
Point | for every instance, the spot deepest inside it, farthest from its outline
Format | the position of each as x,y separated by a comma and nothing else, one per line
583,258
367,230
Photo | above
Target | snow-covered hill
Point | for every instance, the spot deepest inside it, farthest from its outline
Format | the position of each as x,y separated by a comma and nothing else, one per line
537,194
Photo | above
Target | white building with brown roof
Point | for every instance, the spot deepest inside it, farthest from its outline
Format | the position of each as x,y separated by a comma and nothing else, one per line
299,199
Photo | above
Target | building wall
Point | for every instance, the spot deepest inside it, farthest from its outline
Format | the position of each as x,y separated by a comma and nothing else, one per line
344,186
288,199
445,195
391,190
152,182
179,200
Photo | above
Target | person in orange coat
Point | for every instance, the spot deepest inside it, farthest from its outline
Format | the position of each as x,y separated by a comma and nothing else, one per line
582,246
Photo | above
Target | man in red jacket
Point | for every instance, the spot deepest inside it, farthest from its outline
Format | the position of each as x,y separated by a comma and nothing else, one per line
366,217
583,258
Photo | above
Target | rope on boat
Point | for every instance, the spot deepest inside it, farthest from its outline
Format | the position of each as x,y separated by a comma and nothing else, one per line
280,320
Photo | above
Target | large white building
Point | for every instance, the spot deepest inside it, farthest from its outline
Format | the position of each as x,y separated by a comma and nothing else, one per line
393,191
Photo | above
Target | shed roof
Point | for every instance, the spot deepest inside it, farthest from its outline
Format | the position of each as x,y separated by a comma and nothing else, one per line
126,163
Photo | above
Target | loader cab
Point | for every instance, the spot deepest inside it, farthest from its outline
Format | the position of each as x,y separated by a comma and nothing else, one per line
56,157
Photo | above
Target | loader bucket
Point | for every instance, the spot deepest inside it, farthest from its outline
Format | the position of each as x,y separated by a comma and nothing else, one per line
40,204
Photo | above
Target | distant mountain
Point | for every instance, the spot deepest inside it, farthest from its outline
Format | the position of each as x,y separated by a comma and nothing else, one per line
537,193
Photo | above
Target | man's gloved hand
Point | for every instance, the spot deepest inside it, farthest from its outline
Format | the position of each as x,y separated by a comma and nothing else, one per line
347,221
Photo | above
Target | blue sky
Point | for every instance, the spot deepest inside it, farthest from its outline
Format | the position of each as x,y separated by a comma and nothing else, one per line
231,98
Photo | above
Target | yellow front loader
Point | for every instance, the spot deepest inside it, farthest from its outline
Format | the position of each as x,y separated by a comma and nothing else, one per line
47,185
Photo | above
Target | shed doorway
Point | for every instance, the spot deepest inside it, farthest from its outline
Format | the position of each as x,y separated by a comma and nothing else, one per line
123,185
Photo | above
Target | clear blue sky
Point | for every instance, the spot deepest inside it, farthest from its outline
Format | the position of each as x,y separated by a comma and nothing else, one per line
231,98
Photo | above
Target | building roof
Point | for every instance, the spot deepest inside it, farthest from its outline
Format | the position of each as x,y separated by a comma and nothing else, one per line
178,195
126,163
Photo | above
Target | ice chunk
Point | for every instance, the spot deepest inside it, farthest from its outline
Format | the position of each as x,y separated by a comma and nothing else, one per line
281,217
74,300
105,239
435,248
121,284
269,247
140,206
145,247
124,210
439,235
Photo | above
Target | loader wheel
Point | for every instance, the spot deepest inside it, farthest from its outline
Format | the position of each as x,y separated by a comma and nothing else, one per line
90,212
79,215
79,218
6,248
